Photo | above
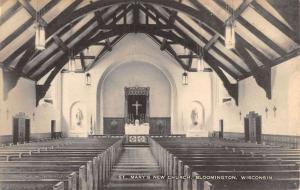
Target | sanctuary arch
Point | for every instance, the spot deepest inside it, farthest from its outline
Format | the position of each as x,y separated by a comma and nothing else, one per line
111,97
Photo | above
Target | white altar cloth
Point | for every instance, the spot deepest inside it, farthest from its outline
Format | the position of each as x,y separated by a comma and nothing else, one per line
131,129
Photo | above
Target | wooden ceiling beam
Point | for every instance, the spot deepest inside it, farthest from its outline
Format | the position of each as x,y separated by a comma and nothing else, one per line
106,20
163,45
63,47
232,88
277,23
82,56
126,9
104,51
282,59
218,25
188,56
113,26
188,39
171,51
32,12
25,25
199,36
136,14
190,62
77,33
99,44
232,18
82,61
41,90
9,13
251,28
172,18
49,31
262,75
108,45
65,57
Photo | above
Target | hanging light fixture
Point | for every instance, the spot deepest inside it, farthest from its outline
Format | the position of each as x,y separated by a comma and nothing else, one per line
40,34
200,63
230,35
72,62
185,78
230,31
88,80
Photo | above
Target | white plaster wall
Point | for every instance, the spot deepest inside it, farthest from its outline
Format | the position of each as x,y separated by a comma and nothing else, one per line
138,48
22,99
285,97
136,74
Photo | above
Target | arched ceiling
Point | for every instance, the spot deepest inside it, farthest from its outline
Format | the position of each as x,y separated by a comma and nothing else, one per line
267,34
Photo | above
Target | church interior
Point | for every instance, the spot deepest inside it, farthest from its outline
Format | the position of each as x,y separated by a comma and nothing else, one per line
149,94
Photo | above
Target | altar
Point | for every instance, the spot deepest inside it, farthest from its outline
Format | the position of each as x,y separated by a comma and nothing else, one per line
142,129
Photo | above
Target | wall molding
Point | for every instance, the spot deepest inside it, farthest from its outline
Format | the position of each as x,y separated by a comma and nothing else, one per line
280,140
5,139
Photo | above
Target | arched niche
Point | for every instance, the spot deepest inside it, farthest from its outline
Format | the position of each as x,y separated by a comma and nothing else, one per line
197,115
78,120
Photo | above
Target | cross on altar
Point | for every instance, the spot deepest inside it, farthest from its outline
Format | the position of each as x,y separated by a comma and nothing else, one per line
136,105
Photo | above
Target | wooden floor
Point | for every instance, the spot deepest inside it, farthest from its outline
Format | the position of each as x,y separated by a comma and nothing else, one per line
136,162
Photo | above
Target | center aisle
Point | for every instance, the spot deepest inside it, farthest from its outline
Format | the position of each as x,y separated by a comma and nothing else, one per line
137,162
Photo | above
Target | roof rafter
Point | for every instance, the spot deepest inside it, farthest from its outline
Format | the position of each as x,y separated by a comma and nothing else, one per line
33,12
232,18
106,20
9,13
273,20
82,61
104,51
42,61
198,35
251,28
41,90
171,51
185,36
190,62
262,75
218,25
61,44
49,30
26,25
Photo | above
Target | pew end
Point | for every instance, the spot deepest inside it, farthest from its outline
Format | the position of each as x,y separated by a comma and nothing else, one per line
207,185
72,181
59,186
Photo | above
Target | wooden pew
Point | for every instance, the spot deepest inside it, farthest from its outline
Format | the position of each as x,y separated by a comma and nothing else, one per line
69,179
213,160
98,160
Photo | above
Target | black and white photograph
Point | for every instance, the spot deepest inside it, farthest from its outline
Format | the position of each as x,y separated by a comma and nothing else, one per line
149,94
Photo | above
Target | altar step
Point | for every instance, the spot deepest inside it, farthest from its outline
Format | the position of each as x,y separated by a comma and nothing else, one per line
136,162
136,145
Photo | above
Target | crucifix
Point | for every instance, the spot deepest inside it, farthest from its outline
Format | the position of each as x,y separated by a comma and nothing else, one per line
136,105
266,110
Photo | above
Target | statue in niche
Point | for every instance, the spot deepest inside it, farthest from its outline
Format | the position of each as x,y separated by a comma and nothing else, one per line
79,117
196,120
194,116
